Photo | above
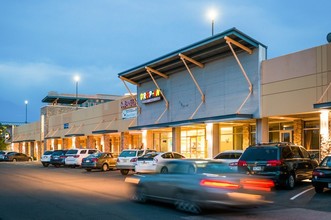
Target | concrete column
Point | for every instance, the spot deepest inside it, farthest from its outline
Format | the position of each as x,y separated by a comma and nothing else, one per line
176,139
262,130
213,146
298,132
246,136
325,134
106,139
90,142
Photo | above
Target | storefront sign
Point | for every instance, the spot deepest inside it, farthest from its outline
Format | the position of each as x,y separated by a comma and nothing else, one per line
150,96
130,103
65,125
129,113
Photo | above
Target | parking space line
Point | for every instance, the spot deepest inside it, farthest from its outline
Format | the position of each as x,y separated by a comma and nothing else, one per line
296,196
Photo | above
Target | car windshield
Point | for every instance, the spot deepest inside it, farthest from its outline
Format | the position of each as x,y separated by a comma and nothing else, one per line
60,152
95,155
48,152
1,152
214,168
72,152
128,153
11,153
326,162
260,154
150,155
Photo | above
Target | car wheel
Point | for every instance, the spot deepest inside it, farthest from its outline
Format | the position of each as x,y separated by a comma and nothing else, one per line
164,170
290,182
124,172
139,194
14,160
319,189
45,164
187,202
88,170
104,167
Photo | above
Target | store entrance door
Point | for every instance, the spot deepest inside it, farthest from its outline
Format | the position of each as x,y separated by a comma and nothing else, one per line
286,136
193,147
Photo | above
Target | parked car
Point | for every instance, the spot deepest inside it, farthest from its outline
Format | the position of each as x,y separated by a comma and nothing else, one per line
75,156
127,159
230,157
148,162
285,163
14,156
321,178
4,153
46,157
213,186
101,160
58,158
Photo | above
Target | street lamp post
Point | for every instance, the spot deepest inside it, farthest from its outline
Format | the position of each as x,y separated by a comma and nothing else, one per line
76,78
26,111
212,16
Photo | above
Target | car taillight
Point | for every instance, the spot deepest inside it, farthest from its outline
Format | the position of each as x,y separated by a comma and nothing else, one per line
134,160
274,163
257,184
242,163
318,173
233,164
63,157
94,159
76,156
219,184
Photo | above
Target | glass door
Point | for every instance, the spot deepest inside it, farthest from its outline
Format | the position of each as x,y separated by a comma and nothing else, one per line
286,136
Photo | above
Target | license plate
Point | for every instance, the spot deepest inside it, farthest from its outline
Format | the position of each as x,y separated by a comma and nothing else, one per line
257,168
87,161
329,185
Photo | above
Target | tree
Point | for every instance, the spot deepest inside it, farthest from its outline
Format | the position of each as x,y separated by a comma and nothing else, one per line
3,132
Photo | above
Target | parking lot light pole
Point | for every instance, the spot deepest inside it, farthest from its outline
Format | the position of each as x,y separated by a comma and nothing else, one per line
26,111
76,78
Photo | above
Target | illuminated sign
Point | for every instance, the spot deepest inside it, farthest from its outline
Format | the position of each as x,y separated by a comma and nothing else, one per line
130,103
150,96
129,113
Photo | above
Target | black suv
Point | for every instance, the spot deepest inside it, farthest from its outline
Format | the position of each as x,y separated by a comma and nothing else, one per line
285,163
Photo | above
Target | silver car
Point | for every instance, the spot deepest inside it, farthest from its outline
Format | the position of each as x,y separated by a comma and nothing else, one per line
213,184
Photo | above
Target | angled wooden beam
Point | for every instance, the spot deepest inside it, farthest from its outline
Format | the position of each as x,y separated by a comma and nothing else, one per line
191,60
238,44
156,72
128,80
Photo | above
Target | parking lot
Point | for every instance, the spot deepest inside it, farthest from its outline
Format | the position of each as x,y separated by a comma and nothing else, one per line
30,191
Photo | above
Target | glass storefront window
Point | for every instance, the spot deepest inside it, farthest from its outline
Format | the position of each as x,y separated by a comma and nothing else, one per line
193,143
162,141
231,138
274,136
311,139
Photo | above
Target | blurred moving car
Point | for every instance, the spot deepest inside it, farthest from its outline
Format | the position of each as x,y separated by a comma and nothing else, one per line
46,157
213,184
101,160
148,162
58,158
4,153
127,159
14,156
322,175
230,157
75,156
285,163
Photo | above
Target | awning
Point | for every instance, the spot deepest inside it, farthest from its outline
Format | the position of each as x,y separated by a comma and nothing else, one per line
324,105
212,119
104,131
204,51
74,135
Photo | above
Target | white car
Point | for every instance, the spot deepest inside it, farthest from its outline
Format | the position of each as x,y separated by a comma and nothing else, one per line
75,156
127,159
230,157
148,163
46,158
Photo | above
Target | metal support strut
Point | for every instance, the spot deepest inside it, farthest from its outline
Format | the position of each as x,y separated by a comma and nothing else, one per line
184,58
250,88
132,96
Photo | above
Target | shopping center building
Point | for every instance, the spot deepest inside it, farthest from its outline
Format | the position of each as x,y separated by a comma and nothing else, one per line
218,94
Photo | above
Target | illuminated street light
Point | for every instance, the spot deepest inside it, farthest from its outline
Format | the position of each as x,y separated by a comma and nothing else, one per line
76,78
26,111
212,15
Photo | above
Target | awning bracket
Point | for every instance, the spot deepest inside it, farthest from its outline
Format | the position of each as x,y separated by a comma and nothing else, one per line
184,58
149,71
230,41
325,91
131,94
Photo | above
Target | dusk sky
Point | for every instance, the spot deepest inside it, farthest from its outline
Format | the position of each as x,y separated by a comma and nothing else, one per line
44,43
